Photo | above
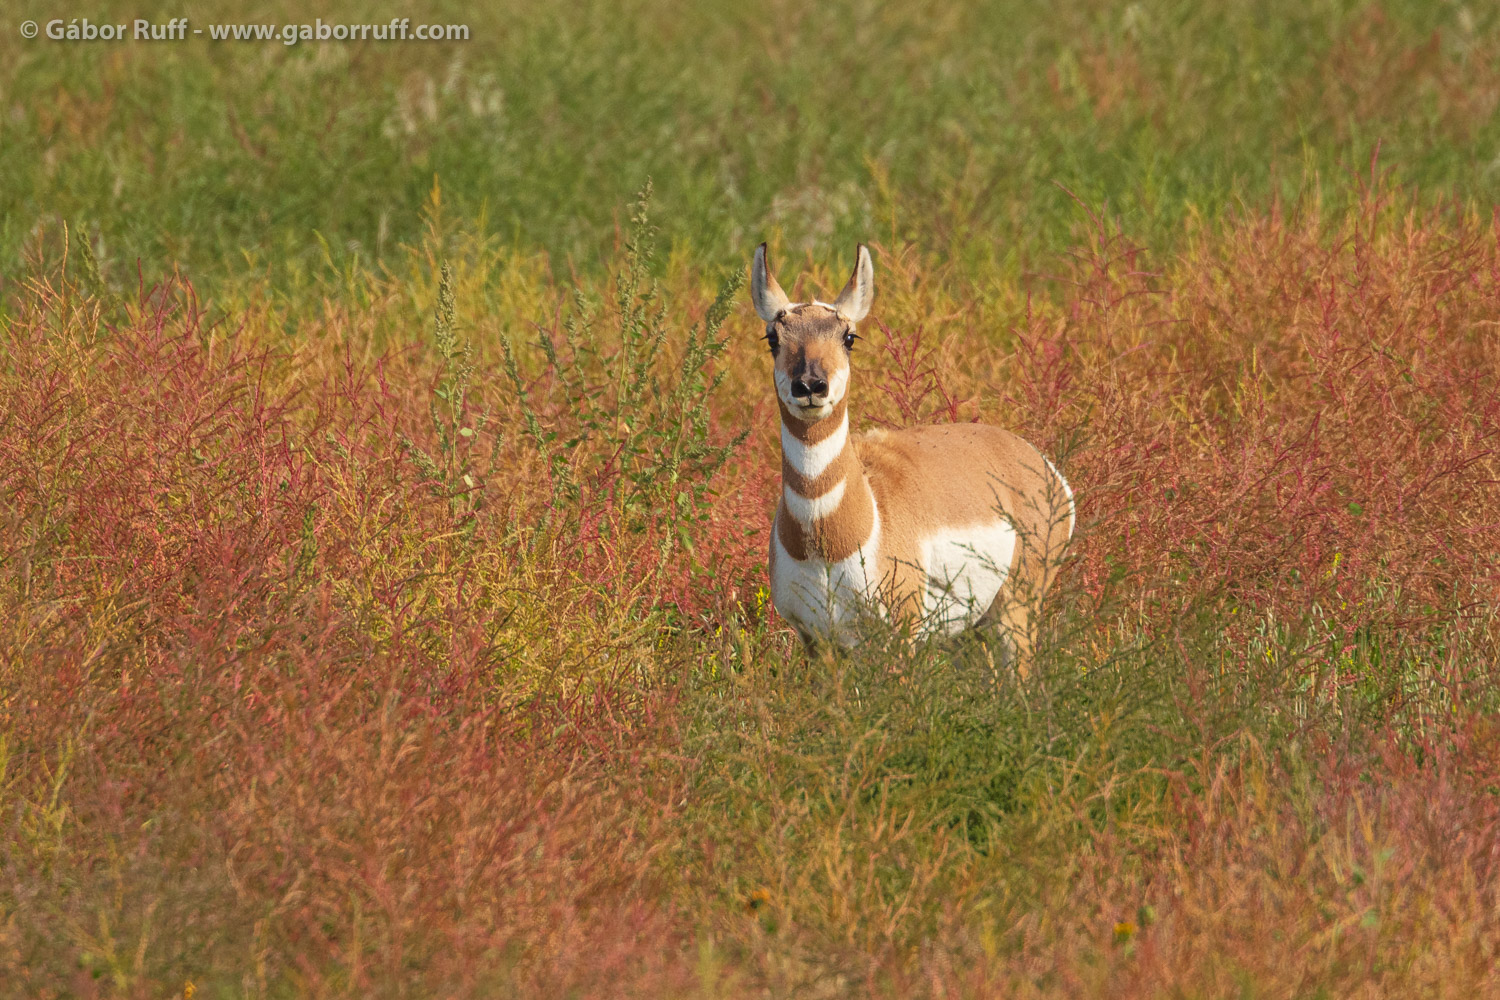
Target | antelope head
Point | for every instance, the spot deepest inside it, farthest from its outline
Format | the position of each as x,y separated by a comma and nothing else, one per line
811,341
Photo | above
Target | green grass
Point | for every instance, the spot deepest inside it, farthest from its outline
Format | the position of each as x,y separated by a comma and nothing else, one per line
961,128
383,605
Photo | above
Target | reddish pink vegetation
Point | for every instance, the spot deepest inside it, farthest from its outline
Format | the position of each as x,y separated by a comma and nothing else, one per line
1323,878
287,709
1286,419
244,734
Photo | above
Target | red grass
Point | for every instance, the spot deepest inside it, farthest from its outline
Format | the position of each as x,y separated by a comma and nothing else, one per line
1289,417
288,712
1276,882
278,770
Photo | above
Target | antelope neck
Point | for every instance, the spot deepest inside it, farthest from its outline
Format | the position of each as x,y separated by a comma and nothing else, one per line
830,510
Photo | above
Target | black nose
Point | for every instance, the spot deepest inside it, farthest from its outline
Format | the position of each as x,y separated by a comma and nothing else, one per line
817,387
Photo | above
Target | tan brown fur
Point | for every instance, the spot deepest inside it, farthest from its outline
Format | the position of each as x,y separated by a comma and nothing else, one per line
811,334
900,489
962,474
832,538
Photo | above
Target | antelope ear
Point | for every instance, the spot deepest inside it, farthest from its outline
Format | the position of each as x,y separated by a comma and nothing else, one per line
854,301
770,301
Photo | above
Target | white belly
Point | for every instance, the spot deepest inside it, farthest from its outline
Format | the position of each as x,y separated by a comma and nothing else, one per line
824,599
966,567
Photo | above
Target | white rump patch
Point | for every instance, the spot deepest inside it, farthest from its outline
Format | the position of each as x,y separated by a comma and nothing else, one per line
966,567
811,459
807,510
1068,490
821,598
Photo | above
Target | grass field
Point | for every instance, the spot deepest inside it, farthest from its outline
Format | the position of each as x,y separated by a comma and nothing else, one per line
385,484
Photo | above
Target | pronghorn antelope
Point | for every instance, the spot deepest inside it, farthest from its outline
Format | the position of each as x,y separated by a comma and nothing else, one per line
945,526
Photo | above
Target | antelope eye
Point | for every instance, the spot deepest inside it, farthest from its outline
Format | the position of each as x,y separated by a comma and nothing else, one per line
773,340
849,338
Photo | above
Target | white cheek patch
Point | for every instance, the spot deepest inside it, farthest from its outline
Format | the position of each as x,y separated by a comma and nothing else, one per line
838,382
783,386
966,567
811,459
807,510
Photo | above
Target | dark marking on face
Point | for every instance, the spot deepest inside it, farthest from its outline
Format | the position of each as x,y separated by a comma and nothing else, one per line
811,344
